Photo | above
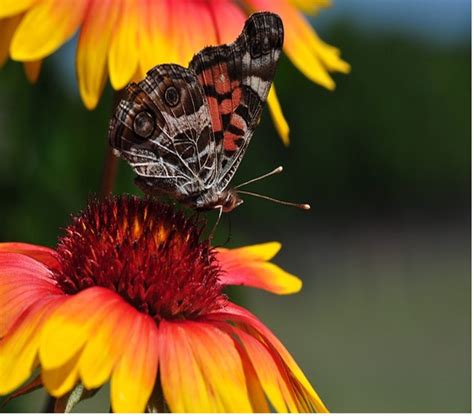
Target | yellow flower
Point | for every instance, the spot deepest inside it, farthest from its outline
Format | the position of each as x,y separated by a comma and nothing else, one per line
123,39
132,295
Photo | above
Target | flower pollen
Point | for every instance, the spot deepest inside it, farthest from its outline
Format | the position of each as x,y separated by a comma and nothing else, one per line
146,252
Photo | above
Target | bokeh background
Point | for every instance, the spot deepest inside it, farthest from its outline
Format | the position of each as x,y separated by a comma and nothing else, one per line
383,321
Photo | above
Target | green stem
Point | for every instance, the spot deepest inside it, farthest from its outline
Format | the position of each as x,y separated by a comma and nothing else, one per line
49,405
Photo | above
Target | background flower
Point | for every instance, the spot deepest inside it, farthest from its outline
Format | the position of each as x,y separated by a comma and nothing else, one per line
123,39
133,296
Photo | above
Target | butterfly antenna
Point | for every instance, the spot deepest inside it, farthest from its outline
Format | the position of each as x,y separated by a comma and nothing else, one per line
279,169
278,201
211,236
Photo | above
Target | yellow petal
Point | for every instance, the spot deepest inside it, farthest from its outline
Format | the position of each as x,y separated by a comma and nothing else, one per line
307,62
58,381
45,27
92,49
216,353
32,70
201,370
100,354
12,7
262,252
330,56
278,117
8,26
18,350
135,374
311,6
123,53
182,379
68,329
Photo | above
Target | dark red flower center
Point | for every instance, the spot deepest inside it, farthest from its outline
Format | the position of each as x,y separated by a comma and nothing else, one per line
149,254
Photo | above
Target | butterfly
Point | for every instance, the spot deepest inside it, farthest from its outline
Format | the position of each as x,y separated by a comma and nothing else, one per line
184,131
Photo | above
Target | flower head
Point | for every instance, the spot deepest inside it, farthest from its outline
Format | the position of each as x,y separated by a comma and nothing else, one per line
123,39
132,295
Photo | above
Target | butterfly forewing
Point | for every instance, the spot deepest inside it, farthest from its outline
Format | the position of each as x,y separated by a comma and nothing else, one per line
236,80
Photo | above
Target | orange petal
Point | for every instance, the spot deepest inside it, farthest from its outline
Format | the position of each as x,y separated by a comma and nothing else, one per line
201,370
254,387
93,48
32,70
72,324
198,32
8,26
278,118
44,255
135,374
12,7
216,352
153,37
18,350
45,27
23,282
239,315
100,354
163,37
123,52
268,373
248,266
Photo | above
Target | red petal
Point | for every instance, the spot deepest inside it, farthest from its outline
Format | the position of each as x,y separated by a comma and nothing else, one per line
228,19
23,282
44,255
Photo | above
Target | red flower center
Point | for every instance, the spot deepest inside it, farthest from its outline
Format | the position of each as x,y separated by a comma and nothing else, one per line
146,252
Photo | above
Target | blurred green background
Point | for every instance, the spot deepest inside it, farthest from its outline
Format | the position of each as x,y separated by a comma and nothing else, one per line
383,321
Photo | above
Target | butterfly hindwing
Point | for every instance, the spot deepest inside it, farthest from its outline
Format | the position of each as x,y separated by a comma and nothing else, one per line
163,130
236,79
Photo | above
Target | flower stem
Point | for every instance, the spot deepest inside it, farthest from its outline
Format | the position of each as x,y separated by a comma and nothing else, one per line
109,174
111,161
48,407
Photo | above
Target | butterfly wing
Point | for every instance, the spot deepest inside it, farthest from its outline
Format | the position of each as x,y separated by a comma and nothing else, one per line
163,130
236,79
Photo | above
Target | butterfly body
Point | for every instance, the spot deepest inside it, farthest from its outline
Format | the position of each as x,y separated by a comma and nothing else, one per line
201,201
184,131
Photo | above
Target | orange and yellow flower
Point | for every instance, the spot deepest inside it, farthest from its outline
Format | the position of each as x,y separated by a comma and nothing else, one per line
132,295
123,39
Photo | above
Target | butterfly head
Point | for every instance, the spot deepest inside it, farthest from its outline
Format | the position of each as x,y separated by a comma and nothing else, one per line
226,200
229,200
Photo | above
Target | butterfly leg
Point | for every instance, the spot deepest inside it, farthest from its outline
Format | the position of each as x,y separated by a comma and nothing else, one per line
220,208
